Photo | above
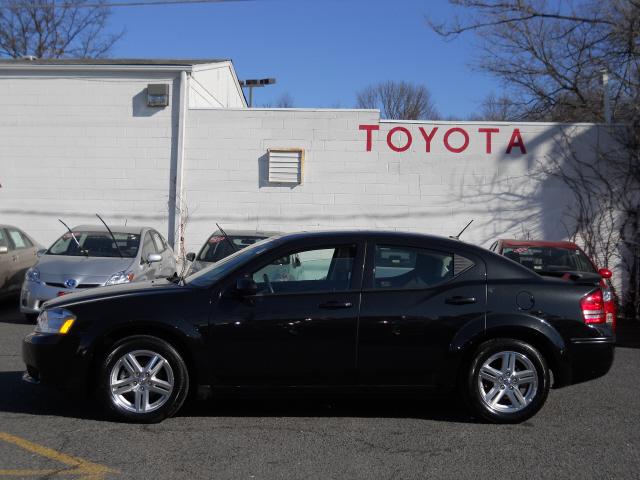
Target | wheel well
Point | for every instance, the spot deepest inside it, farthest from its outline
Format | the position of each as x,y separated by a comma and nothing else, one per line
172,339
530,336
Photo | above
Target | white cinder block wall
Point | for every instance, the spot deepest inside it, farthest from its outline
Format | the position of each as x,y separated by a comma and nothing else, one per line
346,186
73,144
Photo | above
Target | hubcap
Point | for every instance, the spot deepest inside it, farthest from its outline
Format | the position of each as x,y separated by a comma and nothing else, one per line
507,381
141,381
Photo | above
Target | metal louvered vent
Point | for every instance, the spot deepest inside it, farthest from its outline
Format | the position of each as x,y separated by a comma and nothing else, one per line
461,264
285,166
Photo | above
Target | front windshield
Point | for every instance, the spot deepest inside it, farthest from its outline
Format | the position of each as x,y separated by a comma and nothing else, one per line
218,247
210,275
550,259
96,244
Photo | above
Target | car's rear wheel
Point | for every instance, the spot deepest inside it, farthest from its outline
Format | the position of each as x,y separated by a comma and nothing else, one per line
143,379
507,381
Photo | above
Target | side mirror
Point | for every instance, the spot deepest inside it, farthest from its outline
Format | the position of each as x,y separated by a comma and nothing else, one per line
154,257
246,287
4,249
190,257
605,273
41,252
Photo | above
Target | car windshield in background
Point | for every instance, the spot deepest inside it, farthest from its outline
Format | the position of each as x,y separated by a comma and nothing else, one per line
217,247
550,259
208,276
96,244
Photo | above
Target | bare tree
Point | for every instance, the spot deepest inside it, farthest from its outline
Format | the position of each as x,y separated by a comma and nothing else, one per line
51,29
498,109
398,100
551,60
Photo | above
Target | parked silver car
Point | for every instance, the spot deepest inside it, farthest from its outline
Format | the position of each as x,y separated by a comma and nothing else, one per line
218,247
18,252
87,257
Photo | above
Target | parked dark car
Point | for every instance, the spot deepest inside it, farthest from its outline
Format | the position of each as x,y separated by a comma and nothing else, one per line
18,253
564,260
339,310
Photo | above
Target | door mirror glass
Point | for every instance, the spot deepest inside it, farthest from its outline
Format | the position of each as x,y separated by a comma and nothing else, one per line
190,257
154,257
41,252
246,287
4,249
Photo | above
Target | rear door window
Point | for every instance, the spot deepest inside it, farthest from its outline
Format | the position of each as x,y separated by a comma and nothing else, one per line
18,239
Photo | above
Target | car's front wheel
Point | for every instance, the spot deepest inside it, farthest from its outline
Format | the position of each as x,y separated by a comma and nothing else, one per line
143,379
507,381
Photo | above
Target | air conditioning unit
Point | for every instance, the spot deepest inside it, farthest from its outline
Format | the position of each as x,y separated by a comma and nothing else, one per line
286,165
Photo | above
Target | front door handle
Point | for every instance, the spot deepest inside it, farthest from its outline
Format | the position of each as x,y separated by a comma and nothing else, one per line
458,300
334,305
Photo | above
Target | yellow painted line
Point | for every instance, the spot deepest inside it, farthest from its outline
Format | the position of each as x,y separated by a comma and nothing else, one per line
83,468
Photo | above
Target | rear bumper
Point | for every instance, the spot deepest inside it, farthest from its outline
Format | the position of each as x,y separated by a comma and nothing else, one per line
54,360
590,357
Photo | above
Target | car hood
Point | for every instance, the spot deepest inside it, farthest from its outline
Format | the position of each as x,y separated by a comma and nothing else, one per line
102,293
62,265
198,265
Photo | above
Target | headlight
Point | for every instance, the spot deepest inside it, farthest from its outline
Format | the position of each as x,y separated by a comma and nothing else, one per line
33,275
55,320
120,277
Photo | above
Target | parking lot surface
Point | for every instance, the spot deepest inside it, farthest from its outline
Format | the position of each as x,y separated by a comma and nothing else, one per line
591,430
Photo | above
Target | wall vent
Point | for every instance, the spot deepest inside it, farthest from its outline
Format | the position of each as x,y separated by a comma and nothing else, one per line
286,165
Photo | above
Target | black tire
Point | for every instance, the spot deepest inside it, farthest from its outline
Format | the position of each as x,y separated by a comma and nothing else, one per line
478,391
118,407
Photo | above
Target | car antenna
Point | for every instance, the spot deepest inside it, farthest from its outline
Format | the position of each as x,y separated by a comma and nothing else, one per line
226,237
457,237
74,238
112,235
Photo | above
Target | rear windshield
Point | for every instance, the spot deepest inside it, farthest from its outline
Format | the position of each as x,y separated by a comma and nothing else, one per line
550,259
96,244
217,247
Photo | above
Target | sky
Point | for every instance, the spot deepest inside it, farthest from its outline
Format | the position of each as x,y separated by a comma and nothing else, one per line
320,52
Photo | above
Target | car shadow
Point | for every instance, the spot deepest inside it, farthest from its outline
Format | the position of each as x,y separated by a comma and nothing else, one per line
23,398
628,333
10,311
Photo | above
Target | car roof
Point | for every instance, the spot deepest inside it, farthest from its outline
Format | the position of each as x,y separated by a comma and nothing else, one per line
246,233
538,243
114,228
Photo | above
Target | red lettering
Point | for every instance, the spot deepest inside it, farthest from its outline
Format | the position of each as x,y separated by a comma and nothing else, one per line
427,137
369,129
405,146
489,131
458,149
516,141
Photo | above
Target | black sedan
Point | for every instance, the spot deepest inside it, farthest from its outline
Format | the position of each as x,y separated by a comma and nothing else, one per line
341,310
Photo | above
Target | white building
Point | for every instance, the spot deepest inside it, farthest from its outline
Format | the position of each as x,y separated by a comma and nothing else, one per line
79,137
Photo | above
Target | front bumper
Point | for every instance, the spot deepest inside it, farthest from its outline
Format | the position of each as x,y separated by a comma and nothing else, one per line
56,360
33,295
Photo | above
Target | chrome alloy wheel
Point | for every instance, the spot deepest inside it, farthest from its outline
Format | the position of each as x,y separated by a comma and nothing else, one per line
141,381
507,381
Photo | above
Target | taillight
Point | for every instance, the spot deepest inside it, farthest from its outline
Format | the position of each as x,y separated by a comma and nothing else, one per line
593,308
609,308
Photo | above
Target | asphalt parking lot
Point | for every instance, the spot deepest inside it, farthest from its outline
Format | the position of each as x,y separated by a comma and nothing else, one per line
590,430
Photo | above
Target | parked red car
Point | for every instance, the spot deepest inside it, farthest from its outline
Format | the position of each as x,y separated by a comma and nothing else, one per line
561,259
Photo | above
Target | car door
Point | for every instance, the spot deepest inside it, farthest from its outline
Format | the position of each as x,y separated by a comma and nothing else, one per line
166,267
22,256
149,270
5,262
299,328
415,298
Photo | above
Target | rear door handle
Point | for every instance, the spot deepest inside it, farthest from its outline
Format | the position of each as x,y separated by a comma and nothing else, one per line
334,305
458,300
